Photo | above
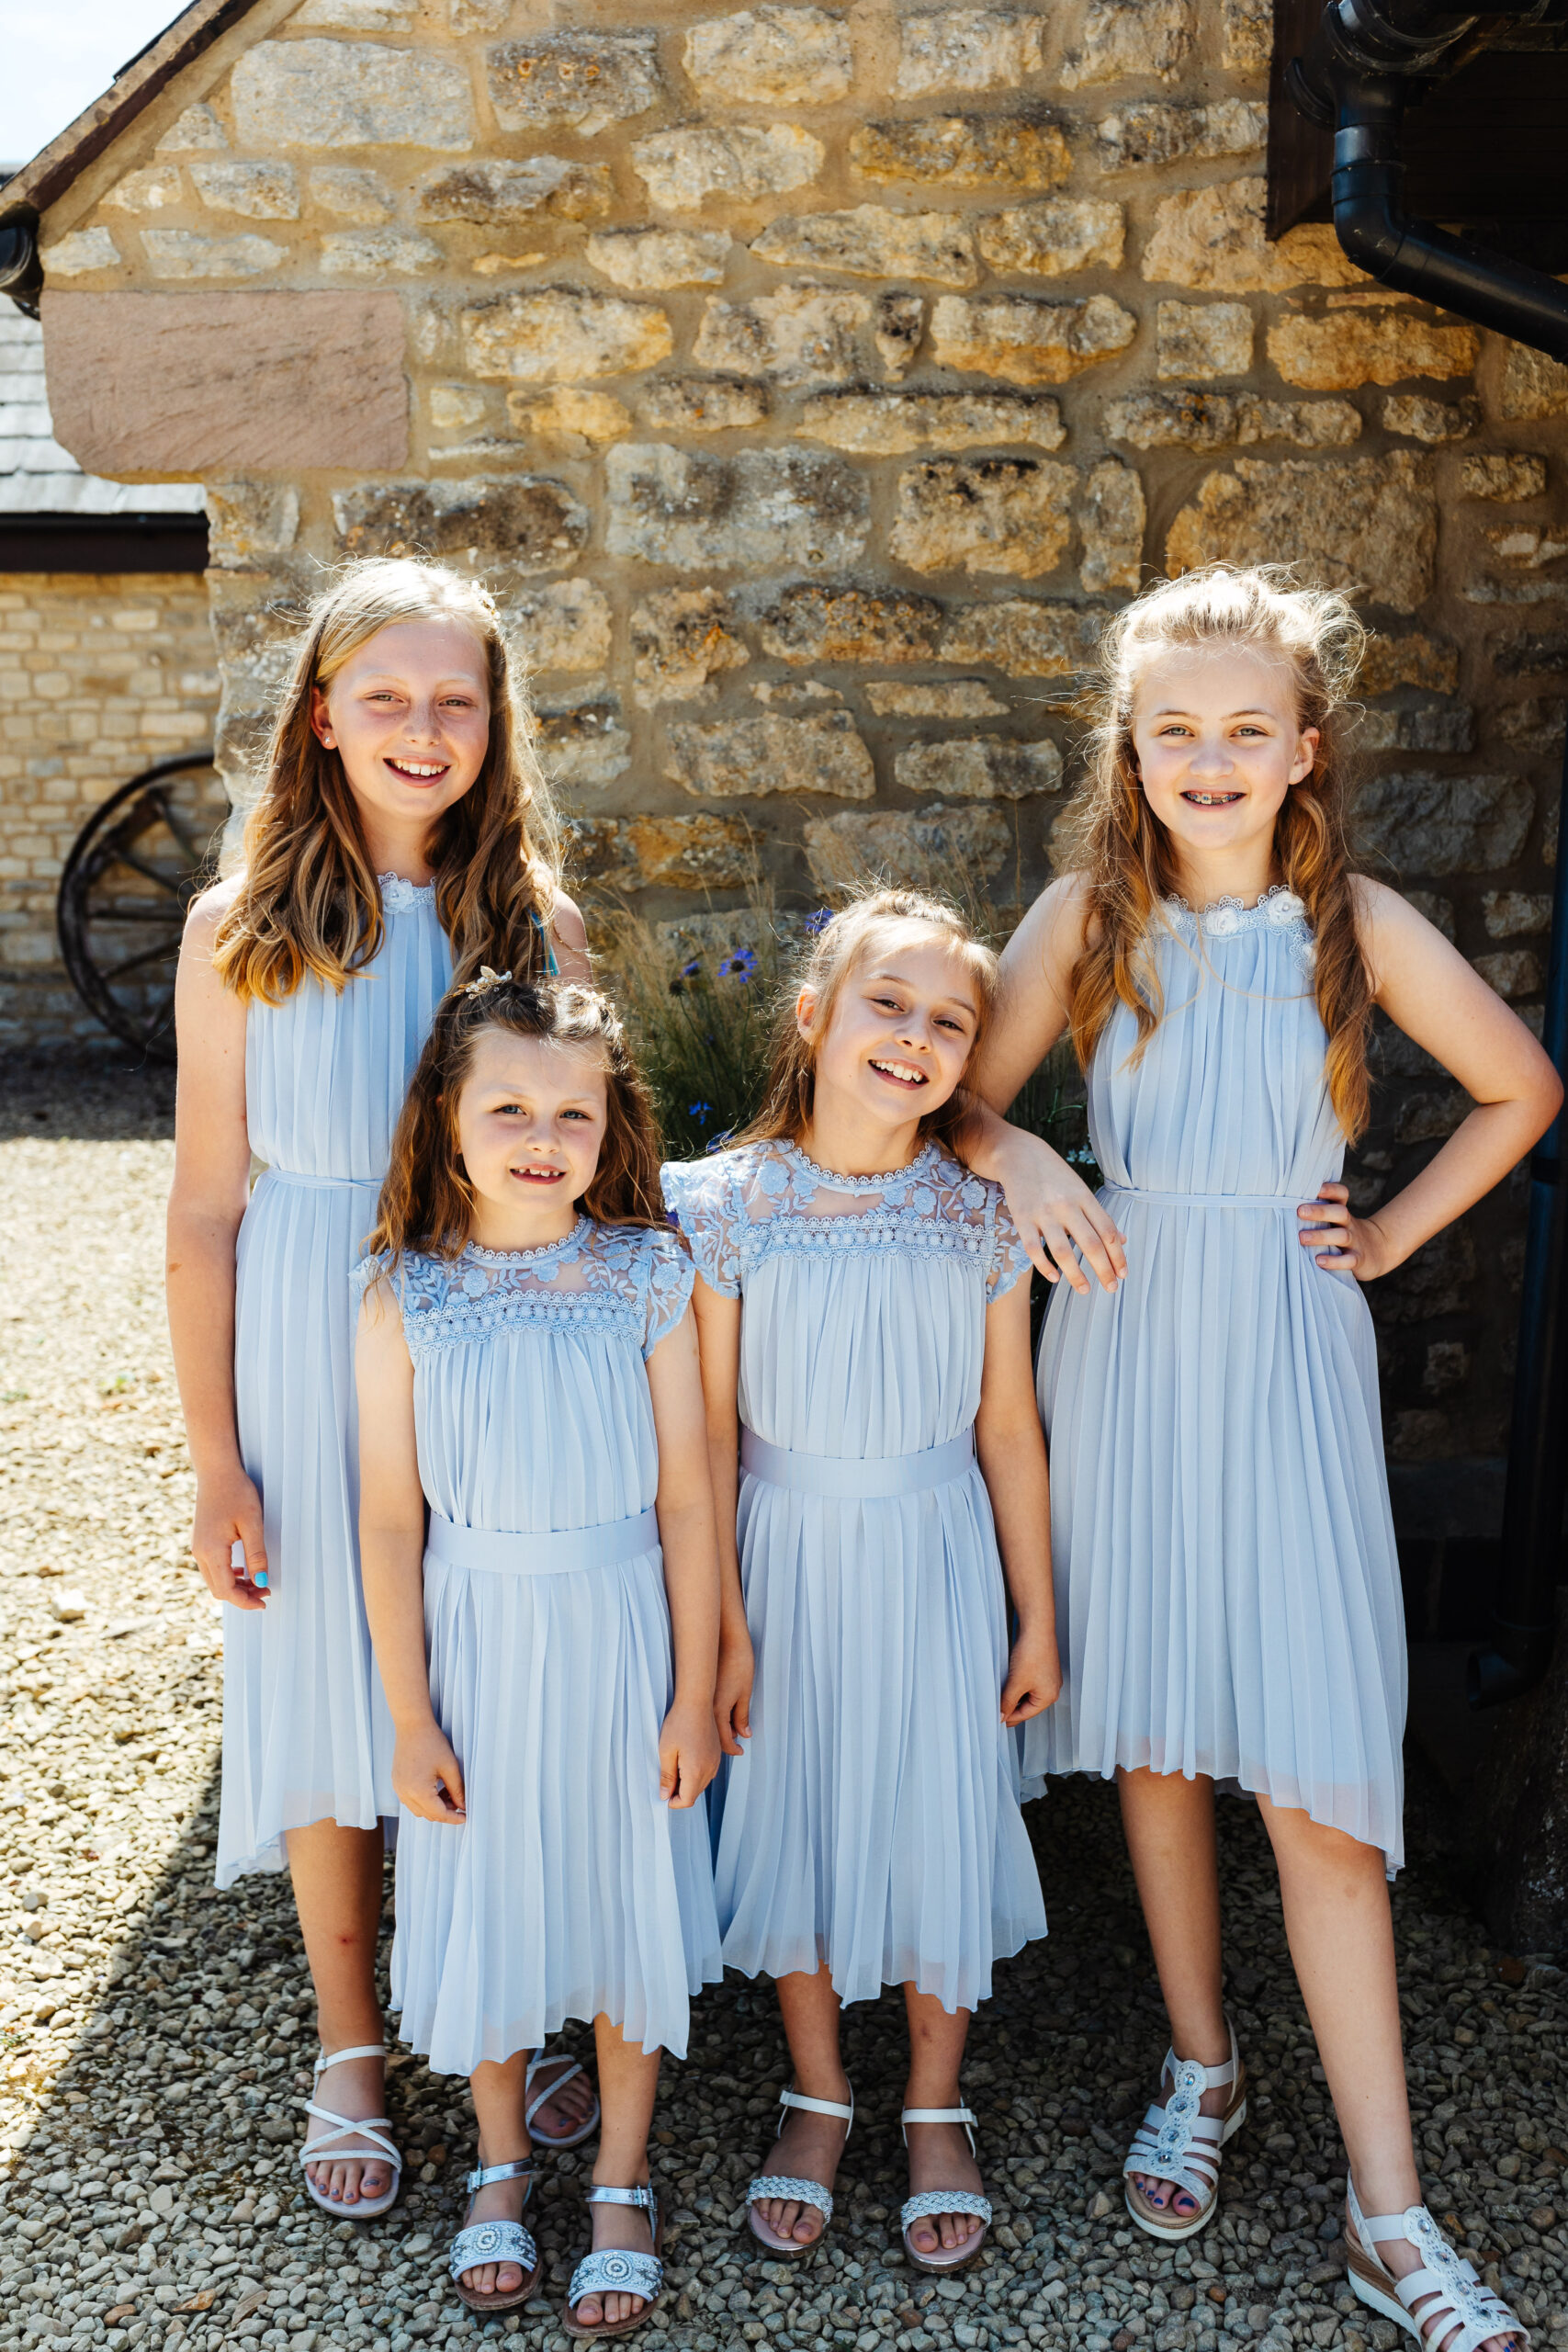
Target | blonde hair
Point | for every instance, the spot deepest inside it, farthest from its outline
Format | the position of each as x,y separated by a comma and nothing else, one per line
310,903
1112,836
859,930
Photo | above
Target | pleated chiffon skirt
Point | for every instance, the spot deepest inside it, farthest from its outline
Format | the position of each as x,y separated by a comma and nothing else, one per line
571,1889
872,1826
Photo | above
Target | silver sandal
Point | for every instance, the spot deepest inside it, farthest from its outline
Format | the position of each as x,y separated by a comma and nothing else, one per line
617,2270
770,2185
931,2201
374,2128
478,2242
1176,2142
1457,2313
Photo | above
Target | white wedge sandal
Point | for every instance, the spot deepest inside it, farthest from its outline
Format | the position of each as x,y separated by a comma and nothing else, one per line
561,2070
931,2201
1457,2312
1176,2143
770,2185
374,2128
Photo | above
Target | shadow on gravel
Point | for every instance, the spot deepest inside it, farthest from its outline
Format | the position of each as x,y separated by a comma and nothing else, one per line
91,1095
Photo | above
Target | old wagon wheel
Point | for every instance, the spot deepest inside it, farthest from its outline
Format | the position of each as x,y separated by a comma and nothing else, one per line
134,868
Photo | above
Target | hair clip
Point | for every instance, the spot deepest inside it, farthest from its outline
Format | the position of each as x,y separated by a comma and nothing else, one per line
487,979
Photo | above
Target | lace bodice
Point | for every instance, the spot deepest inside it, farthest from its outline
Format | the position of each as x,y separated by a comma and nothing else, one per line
1277,910
628,1280
741,1208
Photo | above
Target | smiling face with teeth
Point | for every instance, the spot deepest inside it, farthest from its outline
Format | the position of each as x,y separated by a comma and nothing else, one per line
531,1121
1219,744
899,1036
409,716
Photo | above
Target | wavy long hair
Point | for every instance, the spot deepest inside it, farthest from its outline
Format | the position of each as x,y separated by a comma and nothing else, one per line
1113,837
426,1201
310,903
870,925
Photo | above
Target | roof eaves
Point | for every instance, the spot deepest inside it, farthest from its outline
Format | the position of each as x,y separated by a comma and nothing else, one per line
46,179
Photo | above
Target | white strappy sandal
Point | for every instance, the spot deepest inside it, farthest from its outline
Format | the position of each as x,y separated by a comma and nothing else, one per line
931,2201
478,2242
1176,2143
374,2128
1457,2313
617,2272
770,2185
542,2098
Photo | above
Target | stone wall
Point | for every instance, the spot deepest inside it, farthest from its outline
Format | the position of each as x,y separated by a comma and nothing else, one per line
810,380
100,675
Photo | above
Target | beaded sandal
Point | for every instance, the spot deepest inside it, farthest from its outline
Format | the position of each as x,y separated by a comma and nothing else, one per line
374,2128
931,2201
770,2185
617,2271
542,2098
478,2242
1457,2312
1177,2143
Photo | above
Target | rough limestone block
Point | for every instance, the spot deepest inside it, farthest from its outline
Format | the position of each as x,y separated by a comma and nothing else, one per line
1514,972
1127,40
681,169
564,626
1367,525
943,698
1433,727
562,333
174,253
1112,517
259,191
153,189
1189,420
524,524
197,129
350,93
703,403
665,853
1509,912
581,81
1333,355
1064,232
647,261
992,515
801,335
980,767
249,521
455,408
871,242
1025,341
215,385
810,624
1136,137
924,847
1426,824
1526,545
1022,637
962,151
736,759
967,48
1248,30
1202,339
682,640
79,253
379,253
1533,385
897,329
584,746
890,424
755,511
1416,659
497,194
1420,418
359,15
770,56
479,16
1502,473
348,194
1212,239
569,414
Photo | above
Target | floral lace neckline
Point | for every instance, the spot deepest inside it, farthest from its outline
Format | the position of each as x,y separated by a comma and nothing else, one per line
1278,905
831,1180
397,893
530,1257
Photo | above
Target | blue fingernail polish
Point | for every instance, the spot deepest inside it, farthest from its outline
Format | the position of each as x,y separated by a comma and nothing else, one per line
261,1579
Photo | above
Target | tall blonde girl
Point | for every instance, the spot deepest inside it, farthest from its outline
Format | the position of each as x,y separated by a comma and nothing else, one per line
1228,1597
403,828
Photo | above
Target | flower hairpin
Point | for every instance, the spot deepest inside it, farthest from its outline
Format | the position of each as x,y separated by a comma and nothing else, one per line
487,980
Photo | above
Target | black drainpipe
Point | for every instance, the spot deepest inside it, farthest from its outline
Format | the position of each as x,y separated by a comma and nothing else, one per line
1357,77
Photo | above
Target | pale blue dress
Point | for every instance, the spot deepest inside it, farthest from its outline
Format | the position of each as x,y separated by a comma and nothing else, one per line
1228,1593
306,1735
571,1888
873,1822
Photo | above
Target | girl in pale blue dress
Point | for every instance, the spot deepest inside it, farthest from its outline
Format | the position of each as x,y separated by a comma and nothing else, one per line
1228,1592
541,1575
391,836
864,1310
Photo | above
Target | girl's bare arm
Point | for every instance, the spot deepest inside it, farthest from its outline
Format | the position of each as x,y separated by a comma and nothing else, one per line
570,937
719,1333
207,1202
1011,1446
689,1746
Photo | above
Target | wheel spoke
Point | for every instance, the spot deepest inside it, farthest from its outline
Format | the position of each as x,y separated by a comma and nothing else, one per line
124,856
165,952
126,910
195,850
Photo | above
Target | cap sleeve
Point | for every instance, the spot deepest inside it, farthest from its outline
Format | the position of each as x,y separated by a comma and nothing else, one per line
1009,1259
699,1197
367,1271
671,1276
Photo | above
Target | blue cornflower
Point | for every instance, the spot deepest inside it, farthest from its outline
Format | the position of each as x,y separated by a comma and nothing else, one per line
817,922
701,1112
689,971
739,966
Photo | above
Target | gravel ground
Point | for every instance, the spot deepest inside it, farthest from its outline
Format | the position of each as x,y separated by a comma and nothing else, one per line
154,2035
